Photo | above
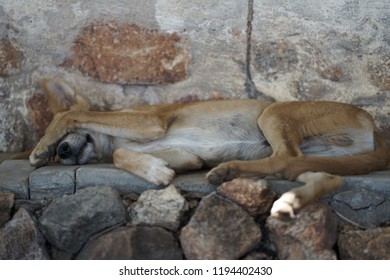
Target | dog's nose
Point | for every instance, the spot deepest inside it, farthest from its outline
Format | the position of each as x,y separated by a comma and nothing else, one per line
64,150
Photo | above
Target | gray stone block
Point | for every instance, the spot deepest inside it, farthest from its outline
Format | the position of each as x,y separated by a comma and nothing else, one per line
14,177
375,181
193,182
52,181
108,175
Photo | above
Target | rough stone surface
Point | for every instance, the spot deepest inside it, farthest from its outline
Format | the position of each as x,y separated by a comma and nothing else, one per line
371,244
133,243
14,176
346,60
129,54
254,196
69,221
164,208
51,182
6,203
10,58
21,239
361,207
219,229
311,235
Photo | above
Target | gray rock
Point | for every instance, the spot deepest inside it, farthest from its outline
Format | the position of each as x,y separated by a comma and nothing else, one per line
164,208
219,229
371,244
133,243
52,181
361,207
14,177
20,239
71,220
6,203
310,235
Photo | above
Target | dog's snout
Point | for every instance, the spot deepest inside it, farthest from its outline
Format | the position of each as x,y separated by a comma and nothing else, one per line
64,150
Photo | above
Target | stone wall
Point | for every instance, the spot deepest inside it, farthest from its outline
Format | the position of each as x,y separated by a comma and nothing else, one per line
124,52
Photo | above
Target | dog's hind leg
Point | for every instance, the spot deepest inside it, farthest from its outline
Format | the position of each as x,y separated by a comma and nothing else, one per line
316,184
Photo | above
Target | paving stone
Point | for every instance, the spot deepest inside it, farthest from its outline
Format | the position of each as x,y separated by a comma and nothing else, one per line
14,177
108,175
20,239
133,243
361,207
219,229
71,220
375,181
194,182
52,181
163,208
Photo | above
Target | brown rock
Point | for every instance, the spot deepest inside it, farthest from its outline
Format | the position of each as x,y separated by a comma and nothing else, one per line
133,243
219,229
311,235
10,58
6,203
129,54
253,195
40,113
371,244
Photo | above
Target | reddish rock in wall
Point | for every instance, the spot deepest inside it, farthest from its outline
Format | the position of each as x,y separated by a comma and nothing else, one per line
10,58
40,113
129,54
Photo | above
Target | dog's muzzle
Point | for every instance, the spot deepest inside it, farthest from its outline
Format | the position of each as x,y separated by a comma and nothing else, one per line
75,148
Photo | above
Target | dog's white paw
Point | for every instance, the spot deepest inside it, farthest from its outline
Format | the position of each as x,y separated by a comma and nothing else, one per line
285,205
158,172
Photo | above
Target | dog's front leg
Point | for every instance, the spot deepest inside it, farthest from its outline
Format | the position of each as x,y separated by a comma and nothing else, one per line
45,149
148,167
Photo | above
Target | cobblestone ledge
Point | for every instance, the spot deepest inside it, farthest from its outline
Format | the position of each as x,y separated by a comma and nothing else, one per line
52,181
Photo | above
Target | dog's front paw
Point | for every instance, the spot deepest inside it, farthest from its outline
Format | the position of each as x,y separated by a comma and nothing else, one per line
159,173
286,205
221,173
41,155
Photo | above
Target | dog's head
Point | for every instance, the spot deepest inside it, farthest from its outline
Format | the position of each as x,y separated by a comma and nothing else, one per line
80,146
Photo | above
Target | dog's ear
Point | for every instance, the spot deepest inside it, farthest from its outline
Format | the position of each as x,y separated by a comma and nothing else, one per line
62,96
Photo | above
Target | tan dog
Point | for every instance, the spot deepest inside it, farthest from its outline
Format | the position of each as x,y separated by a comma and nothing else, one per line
303,141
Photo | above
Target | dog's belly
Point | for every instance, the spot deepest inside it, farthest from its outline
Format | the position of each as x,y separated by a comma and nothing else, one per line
215,140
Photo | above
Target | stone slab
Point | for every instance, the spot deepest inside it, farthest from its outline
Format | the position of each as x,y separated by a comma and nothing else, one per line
194,182
52,181
108,175
375,181
14,177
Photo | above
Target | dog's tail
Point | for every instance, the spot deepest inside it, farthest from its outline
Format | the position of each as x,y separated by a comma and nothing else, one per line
377,160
